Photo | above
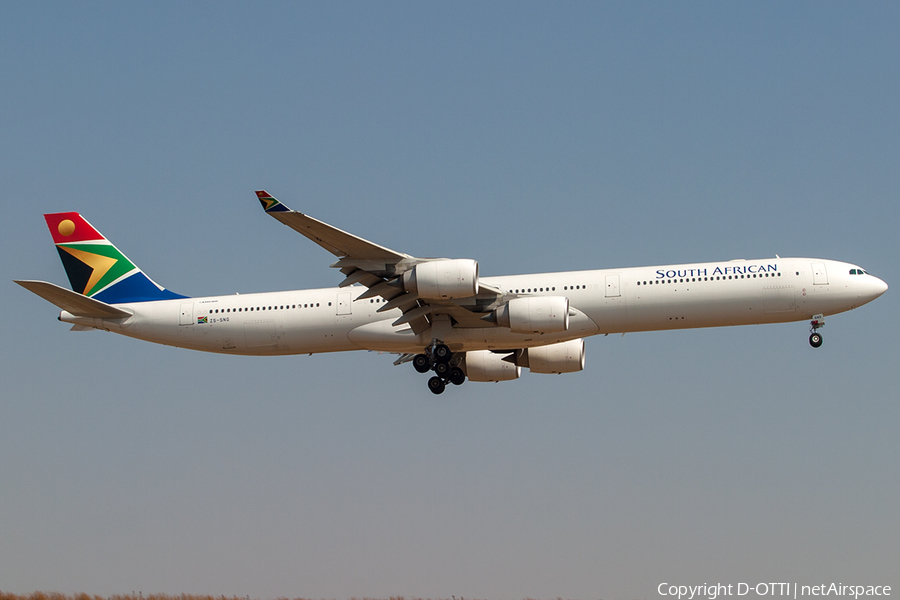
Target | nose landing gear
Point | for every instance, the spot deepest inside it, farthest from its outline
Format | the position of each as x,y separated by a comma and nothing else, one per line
815,338
440,359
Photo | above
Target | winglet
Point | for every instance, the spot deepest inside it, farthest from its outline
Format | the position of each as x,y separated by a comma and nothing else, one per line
269,203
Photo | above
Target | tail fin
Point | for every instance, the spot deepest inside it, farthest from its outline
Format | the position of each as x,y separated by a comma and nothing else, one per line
96,268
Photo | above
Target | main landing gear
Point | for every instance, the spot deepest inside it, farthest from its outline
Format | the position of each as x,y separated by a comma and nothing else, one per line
815,338
440,359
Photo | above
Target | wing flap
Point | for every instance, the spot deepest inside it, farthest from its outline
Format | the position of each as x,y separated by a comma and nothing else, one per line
73,302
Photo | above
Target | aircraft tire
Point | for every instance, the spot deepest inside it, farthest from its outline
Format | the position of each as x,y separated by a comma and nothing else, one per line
442,369
457,377
421,363
436,385
815,340
442,353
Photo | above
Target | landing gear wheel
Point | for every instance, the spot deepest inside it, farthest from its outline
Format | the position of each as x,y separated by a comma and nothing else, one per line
422,363
457,377
441,353
442,369
815,340
436,385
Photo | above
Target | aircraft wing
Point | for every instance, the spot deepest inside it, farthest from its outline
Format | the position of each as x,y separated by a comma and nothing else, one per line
338,242
73,302
381,269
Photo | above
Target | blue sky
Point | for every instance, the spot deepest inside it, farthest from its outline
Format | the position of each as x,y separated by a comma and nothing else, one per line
530,136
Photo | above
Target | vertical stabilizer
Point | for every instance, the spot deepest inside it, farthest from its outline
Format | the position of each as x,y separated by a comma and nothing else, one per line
95,267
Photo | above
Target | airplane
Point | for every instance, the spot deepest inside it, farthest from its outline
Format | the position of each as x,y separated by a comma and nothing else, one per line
437,313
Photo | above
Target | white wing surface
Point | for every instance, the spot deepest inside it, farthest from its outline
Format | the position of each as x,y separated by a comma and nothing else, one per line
421,293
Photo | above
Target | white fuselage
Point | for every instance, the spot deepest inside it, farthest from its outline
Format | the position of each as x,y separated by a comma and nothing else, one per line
740,292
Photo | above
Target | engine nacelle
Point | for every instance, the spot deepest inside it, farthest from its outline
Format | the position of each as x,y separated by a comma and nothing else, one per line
436,279
564,357
484,365
534,314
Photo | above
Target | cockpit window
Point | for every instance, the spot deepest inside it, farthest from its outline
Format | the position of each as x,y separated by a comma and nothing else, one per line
858,272
853,271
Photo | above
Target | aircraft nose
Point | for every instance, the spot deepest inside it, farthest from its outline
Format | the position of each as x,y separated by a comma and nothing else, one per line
869,288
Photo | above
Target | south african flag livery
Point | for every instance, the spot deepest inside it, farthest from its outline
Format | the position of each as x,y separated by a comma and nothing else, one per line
95,267
269,203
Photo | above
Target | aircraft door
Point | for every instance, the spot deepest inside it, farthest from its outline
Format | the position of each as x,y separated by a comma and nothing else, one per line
187,314
612,286
820,276
344,303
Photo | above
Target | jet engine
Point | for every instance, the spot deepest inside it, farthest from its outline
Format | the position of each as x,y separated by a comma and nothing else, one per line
534,314
564,357
440,279
484,365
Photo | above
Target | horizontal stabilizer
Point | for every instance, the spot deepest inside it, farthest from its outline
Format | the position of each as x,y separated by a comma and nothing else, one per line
73,302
